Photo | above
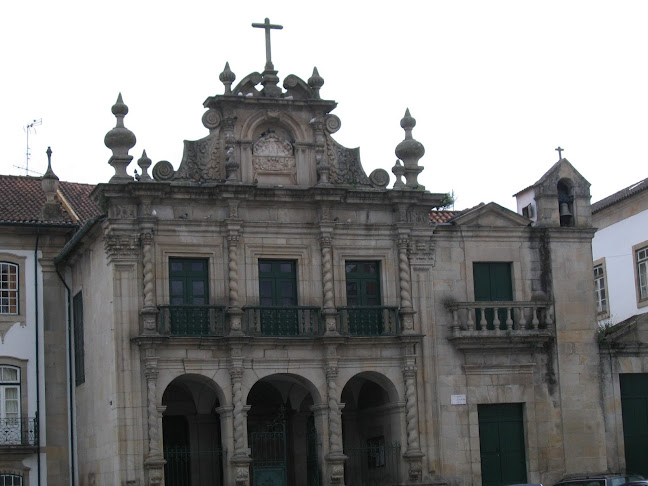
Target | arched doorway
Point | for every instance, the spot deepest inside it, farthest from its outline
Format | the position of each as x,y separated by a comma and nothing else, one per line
282,435
371,431
191,433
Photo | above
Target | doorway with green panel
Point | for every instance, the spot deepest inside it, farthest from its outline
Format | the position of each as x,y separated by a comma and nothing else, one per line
502,445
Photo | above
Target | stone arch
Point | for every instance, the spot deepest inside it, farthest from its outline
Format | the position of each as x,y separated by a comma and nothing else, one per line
191,431
283,430
371,428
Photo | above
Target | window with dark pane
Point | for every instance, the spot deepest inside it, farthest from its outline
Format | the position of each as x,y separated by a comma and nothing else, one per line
278,289
189,296
79,346
493,283
363,293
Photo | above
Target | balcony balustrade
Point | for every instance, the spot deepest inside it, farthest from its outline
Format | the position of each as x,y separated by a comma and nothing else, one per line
289,321
18,432
369,321
191,320
470,319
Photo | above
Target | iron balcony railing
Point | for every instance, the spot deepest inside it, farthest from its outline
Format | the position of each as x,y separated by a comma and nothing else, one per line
18,432
375,464
182,463
285,321
369,321
191,320
496,318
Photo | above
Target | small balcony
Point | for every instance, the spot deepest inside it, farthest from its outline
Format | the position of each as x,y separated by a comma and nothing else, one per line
369,321
288,321
191,320
18,433
517,323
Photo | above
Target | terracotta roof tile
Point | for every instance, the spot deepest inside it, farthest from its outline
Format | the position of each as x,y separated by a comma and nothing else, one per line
439,217
22,198
620,195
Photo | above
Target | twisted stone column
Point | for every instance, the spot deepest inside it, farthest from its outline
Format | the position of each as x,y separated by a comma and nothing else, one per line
147,265
413,454
154,462
404,274
328,310
239,417
234,311
335,420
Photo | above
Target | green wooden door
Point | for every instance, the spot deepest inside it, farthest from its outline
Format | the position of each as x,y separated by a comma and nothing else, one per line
634,408
189,296
363,291
501,440
278,288
493,283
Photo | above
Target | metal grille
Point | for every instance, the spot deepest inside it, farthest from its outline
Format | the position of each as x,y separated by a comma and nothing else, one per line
374,464
369,321
181,460
19,431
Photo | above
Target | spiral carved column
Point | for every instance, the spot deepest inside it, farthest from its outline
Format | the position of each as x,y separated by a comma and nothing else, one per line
239,418
154,462
405,282
328,311
149,311
234,312
413,454
335,420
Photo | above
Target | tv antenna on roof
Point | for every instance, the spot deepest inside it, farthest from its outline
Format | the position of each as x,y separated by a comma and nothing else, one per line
28,128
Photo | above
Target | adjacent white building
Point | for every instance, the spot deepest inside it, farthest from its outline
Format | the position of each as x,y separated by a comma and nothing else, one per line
620,252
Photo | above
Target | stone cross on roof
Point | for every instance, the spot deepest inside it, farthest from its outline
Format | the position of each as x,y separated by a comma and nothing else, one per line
267,26
560,151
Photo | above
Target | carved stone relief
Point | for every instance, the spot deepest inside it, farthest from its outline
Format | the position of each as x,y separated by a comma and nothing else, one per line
273,160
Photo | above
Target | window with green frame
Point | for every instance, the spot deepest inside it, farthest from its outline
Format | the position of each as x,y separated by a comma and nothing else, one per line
189,296
363,292
278,288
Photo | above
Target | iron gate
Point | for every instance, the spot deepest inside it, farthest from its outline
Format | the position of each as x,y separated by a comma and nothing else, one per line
268,447
375,464
181,460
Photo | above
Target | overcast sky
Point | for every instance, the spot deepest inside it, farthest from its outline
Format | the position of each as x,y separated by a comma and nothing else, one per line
495,86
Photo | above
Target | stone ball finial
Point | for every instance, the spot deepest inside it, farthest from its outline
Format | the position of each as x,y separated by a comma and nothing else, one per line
120,140
316,82
227,77
144,162
410,151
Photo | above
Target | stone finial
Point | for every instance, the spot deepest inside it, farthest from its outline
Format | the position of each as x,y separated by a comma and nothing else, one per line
120,140
227,77
410,151
316,82
144,162
50,184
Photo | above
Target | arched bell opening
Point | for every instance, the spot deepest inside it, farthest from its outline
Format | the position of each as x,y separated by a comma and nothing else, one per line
371,430
566,202
191,433
282,432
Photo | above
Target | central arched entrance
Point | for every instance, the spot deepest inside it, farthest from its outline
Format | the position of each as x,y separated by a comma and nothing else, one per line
282,434
191,433
371,431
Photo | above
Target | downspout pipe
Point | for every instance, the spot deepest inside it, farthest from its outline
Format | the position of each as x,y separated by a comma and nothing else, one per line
37,340
68,294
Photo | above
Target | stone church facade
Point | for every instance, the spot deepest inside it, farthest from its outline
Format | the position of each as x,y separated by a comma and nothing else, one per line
267,313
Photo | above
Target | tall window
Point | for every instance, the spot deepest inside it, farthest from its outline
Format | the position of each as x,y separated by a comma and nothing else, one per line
362,293
79,350
278,288
641,257
600,290
9,405
8,288
189,296
493,283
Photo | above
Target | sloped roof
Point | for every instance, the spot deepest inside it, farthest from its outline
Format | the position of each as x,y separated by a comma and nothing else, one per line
629,191
443,216
22,199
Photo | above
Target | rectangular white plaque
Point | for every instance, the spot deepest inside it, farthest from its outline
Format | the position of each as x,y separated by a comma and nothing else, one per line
457,399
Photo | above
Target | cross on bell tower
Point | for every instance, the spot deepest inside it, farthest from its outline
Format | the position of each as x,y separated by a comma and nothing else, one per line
270,78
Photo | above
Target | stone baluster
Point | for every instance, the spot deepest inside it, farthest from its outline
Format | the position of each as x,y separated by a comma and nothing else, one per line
470,324
482,321
534,321
523,321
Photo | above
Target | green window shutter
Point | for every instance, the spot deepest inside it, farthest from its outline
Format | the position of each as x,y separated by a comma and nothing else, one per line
188,281
492,283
